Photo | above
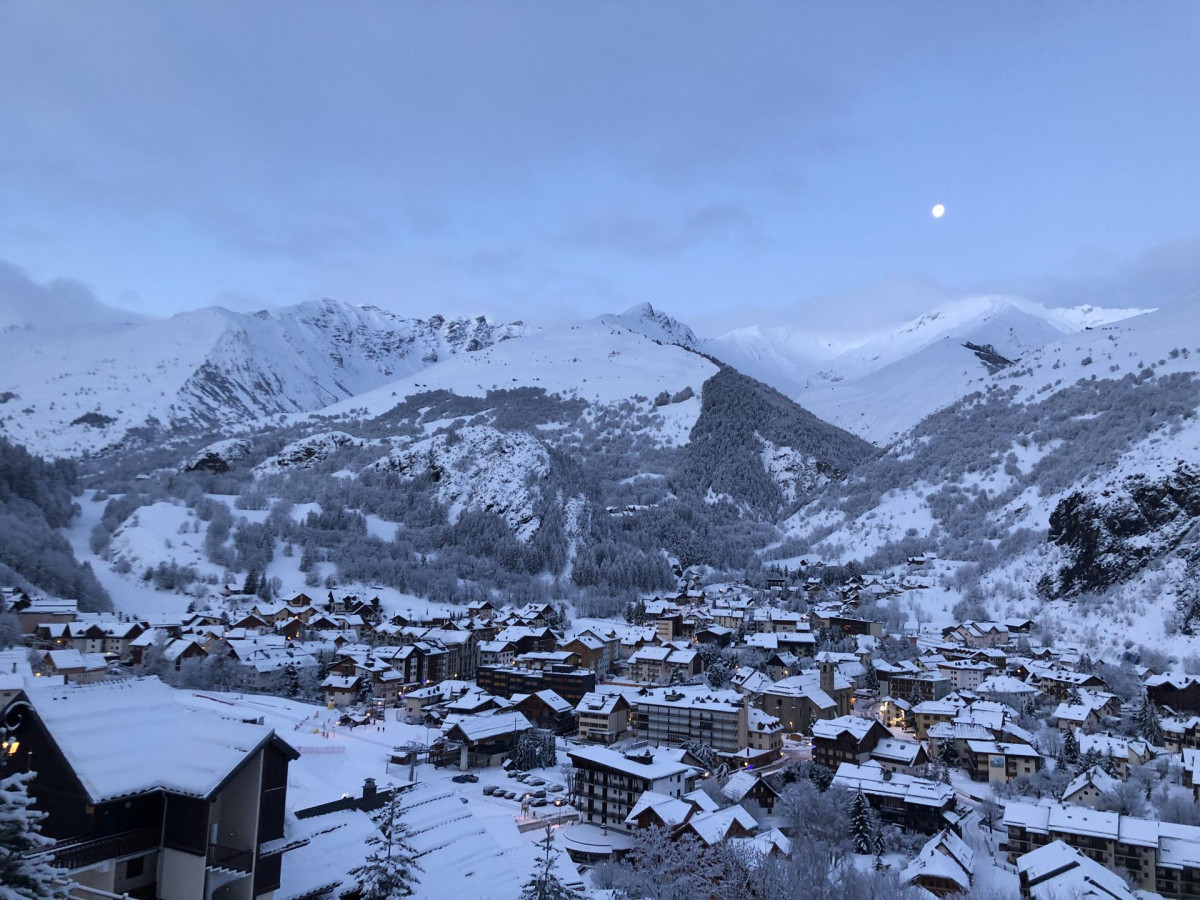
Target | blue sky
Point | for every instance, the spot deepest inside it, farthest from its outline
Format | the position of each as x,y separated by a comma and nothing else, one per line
733,163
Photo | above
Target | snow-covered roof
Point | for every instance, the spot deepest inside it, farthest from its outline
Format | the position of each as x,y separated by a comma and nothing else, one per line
871,778
670,810
128,737
1096,777
484,727
660,764
1057,870
333,845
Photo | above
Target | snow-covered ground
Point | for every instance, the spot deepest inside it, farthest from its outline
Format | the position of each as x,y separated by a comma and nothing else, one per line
468,844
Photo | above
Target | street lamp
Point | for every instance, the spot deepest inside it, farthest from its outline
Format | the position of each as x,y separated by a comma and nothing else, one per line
11,721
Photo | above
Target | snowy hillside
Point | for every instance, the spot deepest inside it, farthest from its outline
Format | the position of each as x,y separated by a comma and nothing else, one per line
81,391
605,360
880,385
1063,479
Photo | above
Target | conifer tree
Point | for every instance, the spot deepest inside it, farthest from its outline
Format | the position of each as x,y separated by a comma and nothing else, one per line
24,876
543,884
1069,755
389,872
1148,724
864,830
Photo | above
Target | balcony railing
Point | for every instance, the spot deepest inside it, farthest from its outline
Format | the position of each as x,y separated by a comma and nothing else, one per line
233,858
77,854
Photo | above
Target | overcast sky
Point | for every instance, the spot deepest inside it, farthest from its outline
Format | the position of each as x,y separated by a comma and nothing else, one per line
733,163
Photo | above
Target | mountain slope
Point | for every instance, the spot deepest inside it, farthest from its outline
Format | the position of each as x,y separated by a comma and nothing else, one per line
880,385
81,392
602,361
1068,471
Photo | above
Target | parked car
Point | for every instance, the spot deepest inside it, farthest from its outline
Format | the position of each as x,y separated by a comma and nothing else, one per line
510,795
555,788
539,794
540,801
465,778
489,789
535,781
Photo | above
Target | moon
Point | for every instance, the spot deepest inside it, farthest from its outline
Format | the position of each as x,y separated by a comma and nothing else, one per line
938,211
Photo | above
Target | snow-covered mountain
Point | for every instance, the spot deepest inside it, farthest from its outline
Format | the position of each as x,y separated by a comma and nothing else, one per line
604,361
74,392
1067,479
882,384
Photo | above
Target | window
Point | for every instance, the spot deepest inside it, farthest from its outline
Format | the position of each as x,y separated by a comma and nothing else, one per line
135,868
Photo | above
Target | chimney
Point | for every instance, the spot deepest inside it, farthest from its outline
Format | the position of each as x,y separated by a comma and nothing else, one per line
369,790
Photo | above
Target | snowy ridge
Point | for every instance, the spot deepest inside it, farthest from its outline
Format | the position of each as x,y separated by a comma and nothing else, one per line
600,360
78,392
880,385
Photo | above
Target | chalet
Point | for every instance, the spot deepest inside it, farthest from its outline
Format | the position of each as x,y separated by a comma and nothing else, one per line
1176,691
1089,788
845,739
343,690
900,756
914,804
603,718
483,741
73,666
1124,752
718,826
893,712
34,611
944,867
752,792
800,700
548,711
714,634
978,634
593,652
764,737
930,712
782,665
174,802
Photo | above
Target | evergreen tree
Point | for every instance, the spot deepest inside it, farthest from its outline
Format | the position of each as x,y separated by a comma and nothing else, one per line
544,884
871,677
1148,724
290,681
390,870
1069,755
950,756
864,829
24,876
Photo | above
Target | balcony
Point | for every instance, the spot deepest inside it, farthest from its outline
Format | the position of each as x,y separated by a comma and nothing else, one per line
232,858
77,854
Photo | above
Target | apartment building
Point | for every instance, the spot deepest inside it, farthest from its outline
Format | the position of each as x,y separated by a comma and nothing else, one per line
606,785
718,719
603,718
1159,856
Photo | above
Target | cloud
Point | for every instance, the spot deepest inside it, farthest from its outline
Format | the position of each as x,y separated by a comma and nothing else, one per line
644,237
1165,273
62,304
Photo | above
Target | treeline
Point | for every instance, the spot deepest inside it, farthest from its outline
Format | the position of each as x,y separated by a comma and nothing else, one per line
36,500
